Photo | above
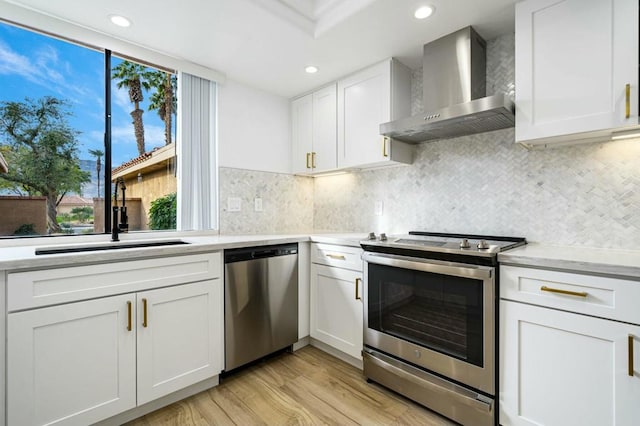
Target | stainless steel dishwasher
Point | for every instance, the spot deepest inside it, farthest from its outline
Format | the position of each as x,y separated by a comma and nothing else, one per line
260,302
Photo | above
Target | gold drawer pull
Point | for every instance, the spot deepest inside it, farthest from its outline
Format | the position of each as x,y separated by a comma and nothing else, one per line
357,282
308,157
631,355
144,312
567,292
336,256
128,316
313,160
627,97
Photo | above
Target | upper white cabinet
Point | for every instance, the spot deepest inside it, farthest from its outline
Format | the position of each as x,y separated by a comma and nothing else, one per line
314,131
576,69
367,99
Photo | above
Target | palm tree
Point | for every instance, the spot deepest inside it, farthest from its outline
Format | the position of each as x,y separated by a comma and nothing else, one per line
163,99
98,154
131,76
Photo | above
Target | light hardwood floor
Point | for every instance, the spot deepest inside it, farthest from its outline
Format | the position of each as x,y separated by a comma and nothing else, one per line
306,387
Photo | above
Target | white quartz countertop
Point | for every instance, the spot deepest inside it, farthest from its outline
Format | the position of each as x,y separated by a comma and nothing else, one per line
22,254
590,260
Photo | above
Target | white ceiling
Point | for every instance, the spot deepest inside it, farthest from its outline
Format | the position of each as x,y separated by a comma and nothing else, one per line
267,43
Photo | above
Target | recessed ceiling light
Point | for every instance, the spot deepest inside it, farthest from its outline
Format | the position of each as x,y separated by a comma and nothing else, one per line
311,69
424,12
120,21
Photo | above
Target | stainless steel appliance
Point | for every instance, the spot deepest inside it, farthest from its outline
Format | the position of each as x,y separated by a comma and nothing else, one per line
260,302
454,93
430,308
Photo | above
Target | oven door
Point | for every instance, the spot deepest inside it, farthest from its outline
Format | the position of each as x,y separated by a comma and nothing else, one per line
433,314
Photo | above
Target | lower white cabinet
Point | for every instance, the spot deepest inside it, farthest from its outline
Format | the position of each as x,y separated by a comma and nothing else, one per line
72,364
78,363
336,308
569,348
179,344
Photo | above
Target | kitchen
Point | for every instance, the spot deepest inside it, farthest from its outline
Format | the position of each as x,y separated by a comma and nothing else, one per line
579,195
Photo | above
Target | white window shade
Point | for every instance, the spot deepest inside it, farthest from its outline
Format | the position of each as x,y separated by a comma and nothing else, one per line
196,150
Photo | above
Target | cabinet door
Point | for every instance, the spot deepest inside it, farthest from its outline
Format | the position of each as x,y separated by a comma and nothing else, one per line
559,368
324,130
364,102
72,364
179,337
336,309
574,59
302,133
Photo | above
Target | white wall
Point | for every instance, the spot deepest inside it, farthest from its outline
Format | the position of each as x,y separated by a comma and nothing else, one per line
253,129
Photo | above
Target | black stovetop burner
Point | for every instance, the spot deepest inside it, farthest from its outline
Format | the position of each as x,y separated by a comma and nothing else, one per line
443,246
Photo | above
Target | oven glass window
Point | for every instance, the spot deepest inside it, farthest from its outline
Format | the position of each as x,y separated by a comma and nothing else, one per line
440,312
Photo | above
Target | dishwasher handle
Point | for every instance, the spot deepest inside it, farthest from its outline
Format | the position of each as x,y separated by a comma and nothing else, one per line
259,252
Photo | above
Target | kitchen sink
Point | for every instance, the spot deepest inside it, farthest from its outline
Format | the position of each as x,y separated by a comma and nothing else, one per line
110,246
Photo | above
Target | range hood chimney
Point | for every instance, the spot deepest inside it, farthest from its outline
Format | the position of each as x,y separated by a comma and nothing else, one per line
454,93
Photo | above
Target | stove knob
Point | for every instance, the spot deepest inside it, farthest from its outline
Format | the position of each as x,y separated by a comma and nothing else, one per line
465,244
483,245
383,237
372,235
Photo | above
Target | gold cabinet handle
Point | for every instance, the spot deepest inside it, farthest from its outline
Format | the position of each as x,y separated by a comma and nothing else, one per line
144,313
385,153
630,342
128,316
308,156
567,292
627,97
357,281
313,160
336,256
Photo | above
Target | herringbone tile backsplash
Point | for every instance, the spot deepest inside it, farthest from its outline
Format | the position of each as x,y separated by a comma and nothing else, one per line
584,195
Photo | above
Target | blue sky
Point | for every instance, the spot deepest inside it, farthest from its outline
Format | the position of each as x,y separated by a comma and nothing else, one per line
33,65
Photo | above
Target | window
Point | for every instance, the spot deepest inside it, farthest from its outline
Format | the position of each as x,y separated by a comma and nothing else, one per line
54,138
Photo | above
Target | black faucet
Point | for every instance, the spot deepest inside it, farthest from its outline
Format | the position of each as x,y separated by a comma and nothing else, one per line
123,226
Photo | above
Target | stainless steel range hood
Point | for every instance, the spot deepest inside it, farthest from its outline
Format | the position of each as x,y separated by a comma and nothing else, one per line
454,93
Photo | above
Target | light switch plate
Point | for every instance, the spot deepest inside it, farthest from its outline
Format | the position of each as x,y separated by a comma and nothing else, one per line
257,204
234,204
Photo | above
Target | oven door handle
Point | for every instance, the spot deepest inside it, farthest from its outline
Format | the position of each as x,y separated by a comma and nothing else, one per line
429,265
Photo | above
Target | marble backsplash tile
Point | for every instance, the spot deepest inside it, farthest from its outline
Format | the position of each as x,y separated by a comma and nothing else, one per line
287,202
584,195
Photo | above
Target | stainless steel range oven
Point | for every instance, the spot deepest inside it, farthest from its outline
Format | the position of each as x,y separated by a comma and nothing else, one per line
430,328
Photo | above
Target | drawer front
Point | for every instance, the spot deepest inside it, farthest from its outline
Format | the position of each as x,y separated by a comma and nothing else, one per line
33,289
612,298
334,255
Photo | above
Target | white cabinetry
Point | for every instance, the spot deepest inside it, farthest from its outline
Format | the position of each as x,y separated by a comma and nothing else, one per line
336,291
576,69
367,99
314,131
73,364
85,361
562,367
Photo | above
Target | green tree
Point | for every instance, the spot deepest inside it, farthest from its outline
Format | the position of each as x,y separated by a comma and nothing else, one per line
82,213
98,154
132,77
42,149
163,212
163,99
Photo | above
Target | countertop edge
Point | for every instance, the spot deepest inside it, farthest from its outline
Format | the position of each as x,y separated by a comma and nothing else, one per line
609,262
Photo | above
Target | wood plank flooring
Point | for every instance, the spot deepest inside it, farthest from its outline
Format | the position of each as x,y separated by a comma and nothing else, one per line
307,387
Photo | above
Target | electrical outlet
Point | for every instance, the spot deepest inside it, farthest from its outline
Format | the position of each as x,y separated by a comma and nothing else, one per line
378,207
234,204
257,204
